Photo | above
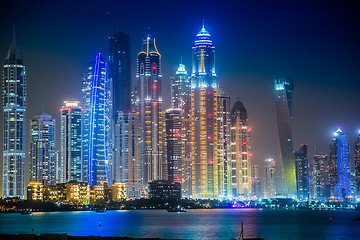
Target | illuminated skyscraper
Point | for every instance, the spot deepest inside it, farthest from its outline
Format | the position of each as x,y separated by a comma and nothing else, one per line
42,149
119,73
321,176
181,98
270,169
128,167
174,144
340,181
284,89
204,105
14,108
180,88
150,112
357,166
71,142
95,123
223,152
240,151
302,172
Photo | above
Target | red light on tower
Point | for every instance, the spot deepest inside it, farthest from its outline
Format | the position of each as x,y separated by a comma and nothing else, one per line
244,143
209,92
154,86
154,67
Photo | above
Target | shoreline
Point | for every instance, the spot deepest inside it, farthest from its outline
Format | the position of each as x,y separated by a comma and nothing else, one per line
64,236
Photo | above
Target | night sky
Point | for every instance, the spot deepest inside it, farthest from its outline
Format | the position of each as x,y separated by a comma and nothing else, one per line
316,44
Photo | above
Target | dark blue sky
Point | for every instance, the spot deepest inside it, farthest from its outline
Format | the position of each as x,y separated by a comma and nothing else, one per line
314,42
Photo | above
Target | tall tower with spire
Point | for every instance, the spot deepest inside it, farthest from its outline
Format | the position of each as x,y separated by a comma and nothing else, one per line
14,108
150,111
204,111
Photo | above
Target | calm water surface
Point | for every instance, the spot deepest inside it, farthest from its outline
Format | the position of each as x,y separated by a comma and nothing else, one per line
194,224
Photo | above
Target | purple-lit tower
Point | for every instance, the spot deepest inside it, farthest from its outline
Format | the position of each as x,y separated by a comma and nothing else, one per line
340,181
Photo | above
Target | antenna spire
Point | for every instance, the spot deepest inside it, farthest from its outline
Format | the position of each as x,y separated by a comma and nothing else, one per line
203,23
181,59
13,32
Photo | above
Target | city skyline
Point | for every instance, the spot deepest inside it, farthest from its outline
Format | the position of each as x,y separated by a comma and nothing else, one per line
258,129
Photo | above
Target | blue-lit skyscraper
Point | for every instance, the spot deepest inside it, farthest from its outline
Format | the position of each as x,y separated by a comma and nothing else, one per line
95,123
71,142
14,108
284,89
340,181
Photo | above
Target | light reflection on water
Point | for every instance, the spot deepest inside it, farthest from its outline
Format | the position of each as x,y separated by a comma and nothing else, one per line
194,224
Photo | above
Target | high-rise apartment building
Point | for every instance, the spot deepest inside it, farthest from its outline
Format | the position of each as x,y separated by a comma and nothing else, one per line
95,122
71,142
270,169
320,173
174,144
302,172
128,167
150,112
204,110
284,89
223,152
240,166
255,182
14,118
42,149
181,98
357,165
339,169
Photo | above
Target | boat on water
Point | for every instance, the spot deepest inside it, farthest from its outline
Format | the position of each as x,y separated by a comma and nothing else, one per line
176,210
241,237
101,210
26,212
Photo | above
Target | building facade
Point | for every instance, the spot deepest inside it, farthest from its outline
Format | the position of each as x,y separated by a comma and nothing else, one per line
95,122
43,150
71,142
284,89
14,119
339,169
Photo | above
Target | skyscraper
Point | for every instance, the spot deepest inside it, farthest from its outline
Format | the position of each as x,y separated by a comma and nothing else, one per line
302,172
181,98
321,176
270,169
128,167
42,149
284,89
180,88
174,143
240,151
357,165
150,111
119,76
340,181
95,123
71,142
204,110
223,152
14,109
